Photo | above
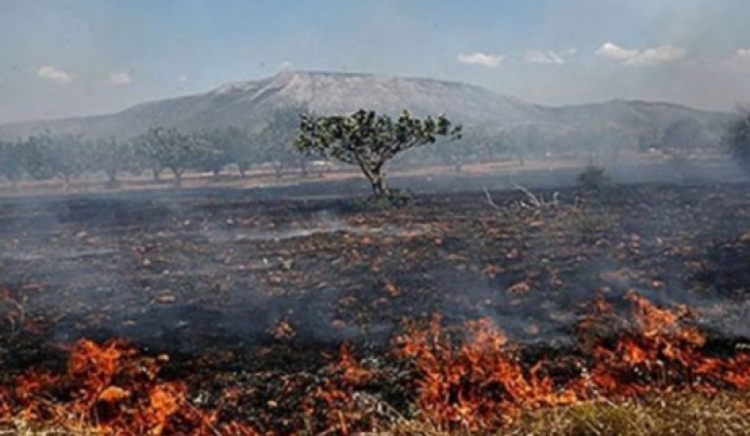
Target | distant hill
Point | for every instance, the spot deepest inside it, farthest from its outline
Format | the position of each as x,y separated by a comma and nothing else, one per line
248,103
632,114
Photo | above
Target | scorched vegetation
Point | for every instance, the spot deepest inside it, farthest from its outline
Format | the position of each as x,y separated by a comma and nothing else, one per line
617,311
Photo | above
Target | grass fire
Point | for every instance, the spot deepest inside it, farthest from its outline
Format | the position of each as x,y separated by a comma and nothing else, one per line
374,218
505,312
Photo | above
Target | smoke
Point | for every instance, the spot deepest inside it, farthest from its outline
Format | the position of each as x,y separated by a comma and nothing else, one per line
234,269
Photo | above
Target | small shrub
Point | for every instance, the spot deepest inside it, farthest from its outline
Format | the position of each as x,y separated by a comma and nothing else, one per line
593,177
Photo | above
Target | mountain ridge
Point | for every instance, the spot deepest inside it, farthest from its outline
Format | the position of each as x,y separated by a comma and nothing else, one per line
250,102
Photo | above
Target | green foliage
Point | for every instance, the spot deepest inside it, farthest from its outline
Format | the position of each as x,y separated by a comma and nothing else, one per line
593,177
218,153
369,140
236,144
112,157
683,134
737,140
169,149
11,161
275,141
47,156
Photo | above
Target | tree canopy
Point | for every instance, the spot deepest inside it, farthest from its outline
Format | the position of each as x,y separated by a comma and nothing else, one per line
737,140
369,140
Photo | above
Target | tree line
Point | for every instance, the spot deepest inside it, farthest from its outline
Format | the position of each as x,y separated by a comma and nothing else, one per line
159,150
363,139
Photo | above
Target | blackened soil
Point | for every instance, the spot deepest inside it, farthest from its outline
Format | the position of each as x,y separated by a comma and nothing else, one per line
239,274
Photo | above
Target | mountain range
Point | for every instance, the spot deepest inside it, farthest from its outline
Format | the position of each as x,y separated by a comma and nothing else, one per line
250,102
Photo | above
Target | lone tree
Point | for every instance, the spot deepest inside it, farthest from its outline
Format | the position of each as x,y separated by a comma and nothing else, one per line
369,140
737,139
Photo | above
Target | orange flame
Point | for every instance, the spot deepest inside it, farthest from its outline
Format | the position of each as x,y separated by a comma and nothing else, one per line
477,382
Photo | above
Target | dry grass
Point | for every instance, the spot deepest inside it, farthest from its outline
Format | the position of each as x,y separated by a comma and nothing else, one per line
22,428
675,414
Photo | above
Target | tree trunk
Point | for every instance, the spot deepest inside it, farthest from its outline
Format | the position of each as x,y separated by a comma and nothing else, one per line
379,187
66,177
112,182
177,177
278,169
157,174
217,172
376,177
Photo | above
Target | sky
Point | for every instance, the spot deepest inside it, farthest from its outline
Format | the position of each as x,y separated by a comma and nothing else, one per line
63,58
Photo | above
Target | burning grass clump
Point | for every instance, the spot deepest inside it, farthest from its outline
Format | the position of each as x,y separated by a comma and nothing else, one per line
484,384
107,389
641,374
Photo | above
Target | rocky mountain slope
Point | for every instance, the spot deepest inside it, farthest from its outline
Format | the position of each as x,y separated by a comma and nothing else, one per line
248,103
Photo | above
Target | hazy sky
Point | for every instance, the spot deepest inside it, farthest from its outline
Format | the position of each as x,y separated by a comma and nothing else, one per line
74,57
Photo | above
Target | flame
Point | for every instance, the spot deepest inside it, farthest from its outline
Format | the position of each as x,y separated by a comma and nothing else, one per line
478,386
471,379
482,384
108,389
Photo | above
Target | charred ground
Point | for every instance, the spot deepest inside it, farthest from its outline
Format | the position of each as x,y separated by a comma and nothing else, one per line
234,282
226,270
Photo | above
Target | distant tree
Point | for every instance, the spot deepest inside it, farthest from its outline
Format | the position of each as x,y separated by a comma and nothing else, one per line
36,156
683,136
238,145
112,157
523,139
12,162
451,155
218,153
492,145
275,141
737,140
68,157
478,144
48,156
172,150
648,139
369,140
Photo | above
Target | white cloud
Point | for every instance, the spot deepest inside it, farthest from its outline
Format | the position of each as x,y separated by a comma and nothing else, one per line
485,60
119,79
613,51
54,74
650,56
658,55
183,78
539,57
742,55
739,61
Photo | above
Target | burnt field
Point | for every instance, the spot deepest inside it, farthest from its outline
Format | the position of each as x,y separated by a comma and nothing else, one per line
255,297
